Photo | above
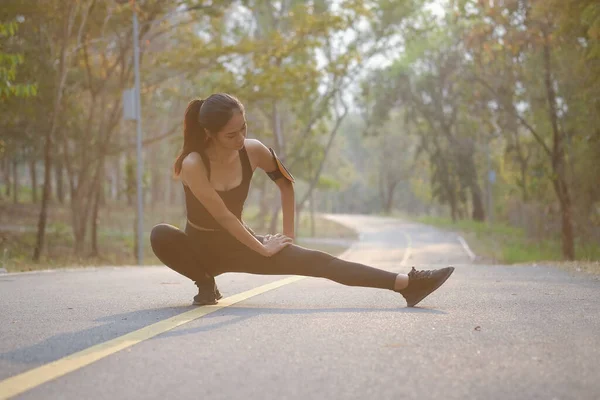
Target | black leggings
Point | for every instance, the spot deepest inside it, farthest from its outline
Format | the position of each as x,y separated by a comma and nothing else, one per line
201,255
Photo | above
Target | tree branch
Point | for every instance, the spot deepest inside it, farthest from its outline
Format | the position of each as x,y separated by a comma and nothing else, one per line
514,113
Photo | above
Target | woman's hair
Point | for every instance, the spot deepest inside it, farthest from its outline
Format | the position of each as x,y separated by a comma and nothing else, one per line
201,116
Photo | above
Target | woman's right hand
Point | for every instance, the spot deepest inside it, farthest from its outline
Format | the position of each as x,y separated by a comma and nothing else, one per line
273,244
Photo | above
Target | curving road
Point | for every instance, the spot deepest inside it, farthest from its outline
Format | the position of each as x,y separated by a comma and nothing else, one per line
492,332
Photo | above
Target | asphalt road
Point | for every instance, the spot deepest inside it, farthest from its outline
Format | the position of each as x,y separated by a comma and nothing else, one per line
491,332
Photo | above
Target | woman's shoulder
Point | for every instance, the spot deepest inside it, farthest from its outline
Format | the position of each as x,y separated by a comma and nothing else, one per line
192,158
259,154
253,144
256,148
192,163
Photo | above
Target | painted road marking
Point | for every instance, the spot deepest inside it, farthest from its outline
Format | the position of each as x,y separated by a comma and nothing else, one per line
465,246
28,380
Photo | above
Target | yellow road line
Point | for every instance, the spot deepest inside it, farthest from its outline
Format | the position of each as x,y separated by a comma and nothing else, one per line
407,251
37,376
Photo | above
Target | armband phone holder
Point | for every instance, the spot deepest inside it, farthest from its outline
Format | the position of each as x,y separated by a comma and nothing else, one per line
281,171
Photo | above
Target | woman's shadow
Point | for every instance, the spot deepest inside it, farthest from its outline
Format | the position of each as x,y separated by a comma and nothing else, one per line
63,344
243,313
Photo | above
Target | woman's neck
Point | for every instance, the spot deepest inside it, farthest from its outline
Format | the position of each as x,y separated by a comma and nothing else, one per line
220,155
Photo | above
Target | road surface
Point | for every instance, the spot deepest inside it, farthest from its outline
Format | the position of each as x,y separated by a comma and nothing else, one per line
491,332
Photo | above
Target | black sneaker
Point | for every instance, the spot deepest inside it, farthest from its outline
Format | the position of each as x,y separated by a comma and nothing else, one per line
204,299
422,283
208,293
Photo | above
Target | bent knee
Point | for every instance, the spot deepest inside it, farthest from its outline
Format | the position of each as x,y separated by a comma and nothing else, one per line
164,233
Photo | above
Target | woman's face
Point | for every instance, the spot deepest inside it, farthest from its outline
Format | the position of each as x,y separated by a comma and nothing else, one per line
233,133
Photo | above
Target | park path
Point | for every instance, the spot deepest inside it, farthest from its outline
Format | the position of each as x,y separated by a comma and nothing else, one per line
493,332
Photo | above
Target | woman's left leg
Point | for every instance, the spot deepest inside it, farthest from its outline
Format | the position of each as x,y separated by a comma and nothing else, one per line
297,260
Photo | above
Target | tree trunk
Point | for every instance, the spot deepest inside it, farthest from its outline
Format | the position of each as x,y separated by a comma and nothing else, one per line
389,202
568,243
119,178
59,181
476,193
523,183
453,205
523,161
558,160
50,132
33,174
7,180
465,163
15,181
97,199
78,232
315,179
478,210
130,181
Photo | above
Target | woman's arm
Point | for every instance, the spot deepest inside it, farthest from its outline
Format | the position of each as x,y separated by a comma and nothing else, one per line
262,158
288,206
193,173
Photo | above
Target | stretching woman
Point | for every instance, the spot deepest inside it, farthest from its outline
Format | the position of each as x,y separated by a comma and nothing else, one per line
216,166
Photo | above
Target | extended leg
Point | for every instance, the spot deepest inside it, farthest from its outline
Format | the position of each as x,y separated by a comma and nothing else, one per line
296,260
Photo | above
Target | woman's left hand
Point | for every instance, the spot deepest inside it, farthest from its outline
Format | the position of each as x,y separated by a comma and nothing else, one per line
269,236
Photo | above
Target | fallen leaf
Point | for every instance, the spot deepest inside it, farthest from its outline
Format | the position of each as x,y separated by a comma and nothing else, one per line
478,328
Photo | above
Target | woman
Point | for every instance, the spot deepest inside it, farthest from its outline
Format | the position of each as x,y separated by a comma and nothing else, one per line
215,167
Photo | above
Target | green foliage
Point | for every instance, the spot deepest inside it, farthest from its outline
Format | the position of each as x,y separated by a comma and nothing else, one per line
8,66
507,244
448,98
505,86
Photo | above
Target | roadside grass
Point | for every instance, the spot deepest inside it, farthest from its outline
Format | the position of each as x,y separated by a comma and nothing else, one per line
505,244
116,240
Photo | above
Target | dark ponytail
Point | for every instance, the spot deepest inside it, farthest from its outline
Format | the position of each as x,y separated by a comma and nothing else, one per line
210,115
194,135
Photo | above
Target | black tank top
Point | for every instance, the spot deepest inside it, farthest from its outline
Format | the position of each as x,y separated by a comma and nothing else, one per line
234,198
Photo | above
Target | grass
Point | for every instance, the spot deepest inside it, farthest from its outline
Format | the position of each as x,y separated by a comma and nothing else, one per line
505,244
115,236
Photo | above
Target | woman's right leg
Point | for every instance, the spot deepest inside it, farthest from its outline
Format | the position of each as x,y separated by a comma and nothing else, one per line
175,249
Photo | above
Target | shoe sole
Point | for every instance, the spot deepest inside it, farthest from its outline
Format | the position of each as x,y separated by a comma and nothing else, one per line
414,303
204,303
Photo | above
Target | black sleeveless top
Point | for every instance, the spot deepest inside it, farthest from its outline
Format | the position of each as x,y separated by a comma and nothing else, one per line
234,198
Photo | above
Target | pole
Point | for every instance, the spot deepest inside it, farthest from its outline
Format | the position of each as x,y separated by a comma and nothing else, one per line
138,112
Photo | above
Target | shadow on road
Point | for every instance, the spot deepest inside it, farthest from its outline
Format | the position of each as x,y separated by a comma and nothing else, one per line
61,345
244,313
